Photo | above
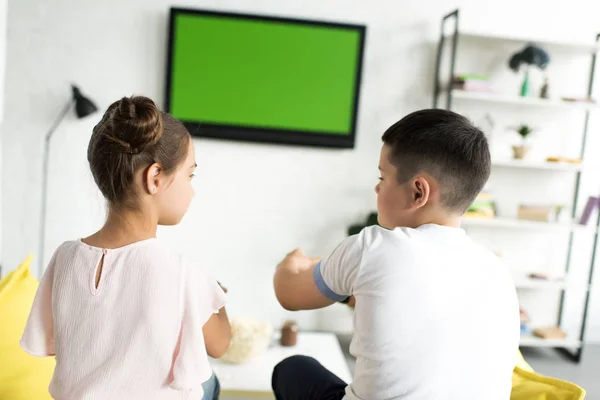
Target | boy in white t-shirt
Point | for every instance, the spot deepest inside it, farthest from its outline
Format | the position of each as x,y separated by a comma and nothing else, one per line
436,315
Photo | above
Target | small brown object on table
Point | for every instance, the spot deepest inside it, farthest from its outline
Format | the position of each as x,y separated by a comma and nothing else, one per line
289,334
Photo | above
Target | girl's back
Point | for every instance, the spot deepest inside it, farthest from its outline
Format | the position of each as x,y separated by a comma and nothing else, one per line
126,317
118,340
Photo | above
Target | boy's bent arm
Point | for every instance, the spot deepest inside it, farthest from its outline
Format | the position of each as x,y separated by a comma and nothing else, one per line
304,283
295,286
217,334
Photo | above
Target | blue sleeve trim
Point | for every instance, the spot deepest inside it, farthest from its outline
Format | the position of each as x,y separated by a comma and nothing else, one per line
323,288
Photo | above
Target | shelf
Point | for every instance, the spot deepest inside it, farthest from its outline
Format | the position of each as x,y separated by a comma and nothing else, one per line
541,165
532,341
507,99
500,222
527,283
581,47
522,101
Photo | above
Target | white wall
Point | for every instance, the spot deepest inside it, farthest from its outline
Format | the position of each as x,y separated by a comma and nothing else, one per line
3,30
254,202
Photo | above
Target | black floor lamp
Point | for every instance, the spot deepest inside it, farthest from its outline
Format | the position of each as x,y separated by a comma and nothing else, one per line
83,108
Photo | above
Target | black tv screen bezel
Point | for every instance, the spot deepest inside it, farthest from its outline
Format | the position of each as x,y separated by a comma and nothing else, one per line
259,134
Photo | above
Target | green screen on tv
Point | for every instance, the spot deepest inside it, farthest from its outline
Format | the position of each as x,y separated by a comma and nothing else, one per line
269,79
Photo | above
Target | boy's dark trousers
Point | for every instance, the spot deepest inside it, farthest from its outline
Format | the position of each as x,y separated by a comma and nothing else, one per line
304,378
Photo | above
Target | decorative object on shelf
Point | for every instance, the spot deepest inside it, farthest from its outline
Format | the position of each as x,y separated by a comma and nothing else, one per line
520,151
524,317
558,209
543,277
289,334
249,339
537,213
545,90
83,108
593,203
538,275
529,56
585,100
550,332
371,220
482,207
558,159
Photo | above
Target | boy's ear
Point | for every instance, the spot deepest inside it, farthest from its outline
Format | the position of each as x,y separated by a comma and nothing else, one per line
421,191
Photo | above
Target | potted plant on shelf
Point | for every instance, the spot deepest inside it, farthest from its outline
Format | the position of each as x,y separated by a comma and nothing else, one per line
520,151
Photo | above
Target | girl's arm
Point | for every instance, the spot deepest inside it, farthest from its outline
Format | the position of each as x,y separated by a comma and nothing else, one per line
217,334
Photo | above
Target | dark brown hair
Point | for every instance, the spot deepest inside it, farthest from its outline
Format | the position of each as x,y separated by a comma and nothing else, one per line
445,145
133,134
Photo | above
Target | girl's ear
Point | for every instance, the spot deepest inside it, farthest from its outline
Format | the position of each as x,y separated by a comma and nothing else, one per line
152,181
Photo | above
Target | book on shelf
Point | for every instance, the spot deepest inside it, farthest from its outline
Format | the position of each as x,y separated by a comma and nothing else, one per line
482,207
471,83
593,203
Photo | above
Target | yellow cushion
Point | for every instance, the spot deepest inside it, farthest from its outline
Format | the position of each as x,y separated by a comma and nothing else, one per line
22,376
529,385
521,363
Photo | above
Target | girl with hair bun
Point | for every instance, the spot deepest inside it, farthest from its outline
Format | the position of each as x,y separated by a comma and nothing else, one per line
125,316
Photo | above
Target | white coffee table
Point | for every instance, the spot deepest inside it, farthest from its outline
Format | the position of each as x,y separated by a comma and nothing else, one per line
253,378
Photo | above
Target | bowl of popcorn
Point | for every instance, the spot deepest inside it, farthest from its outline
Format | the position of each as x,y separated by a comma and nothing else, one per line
249,339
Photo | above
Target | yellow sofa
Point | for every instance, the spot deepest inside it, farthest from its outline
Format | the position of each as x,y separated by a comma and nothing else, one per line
529,385
22,376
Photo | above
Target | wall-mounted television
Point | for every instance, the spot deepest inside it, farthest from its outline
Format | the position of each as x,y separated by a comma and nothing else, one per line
266,79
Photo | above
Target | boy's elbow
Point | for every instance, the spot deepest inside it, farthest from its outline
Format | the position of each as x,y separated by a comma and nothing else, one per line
283,295
284,300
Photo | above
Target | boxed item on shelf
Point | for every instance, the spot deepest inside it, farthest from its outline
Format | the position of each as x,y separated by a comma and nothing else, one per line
550,332
537,213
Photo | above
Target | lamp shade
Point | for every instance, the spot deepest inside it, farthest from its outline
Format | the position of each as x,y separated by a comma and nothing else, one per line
83,105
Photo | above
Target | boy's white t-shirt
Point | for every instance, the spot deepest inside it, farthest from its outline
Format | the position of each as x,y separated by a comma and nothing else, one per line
436,315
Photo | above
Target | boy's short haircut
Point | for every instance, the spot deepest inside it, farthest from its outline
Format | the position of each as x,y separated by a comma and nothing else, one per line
447,146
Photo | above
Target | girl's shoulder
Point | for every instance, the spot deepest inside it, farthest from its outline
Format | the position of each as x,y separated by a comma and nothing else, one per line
150,252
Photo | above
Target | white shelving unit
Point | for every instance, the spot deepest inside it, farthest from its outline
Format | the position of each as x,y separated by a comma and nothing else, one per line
492,97
444,92
538,165
579,47
513,223
533,341
526,283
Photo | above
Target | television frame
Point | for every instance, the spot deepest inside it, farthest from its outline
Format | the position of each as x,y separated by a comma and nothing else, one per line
259,134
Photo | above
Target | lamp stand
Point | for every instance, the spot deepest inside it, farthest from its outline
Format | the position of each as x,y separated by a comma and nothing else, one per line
44,195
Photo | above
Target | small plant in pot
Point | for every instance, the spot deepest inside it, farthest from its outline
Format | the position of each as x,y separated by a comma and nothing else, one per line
520,151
